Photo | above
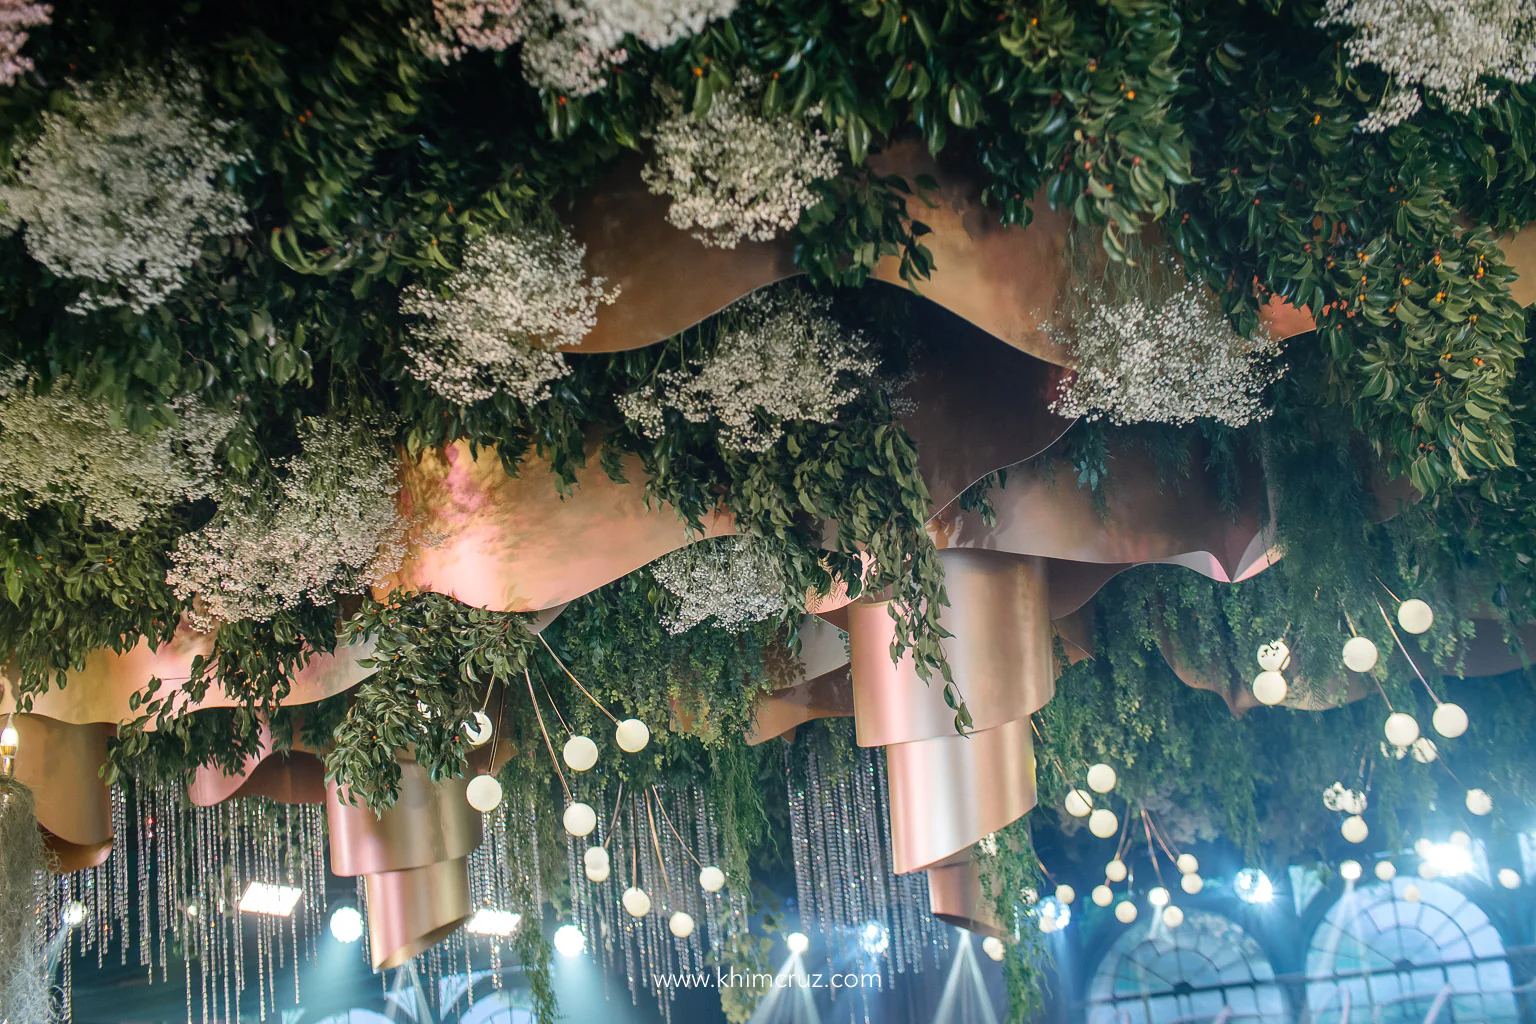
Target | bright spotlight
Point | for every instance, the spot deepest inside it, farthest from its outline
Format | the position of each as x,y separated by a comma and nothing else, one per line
1350,870
490,921
346,924
1253,886
874,938
272,900
1054,915
1448,859
569,941
797,942
74,914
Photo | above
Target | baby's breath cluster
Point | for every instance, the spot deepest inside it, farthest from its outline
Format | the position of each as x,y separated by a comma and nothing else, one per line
59,444
496,324
124,185
735,174
16,16
1445,48
1170,361
734,580
329,527
783,357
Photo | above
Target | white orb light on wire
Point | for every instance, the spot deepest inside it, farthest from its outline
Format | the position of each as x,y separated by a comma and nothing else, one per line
1479,802
1449,720
1429,870
711,878
579,753
1461,840
1411,893
1078,803
994,948
1115,870
636,902
632,735
1125,911
1509,878
1424,750
1401,729
483,793
1187,864
478,729
1386,870
1269,688
680,924
1101,778
1253,886
1065,894
1158,896
1350,870
1103,823
1102,896
1172,917
1359,654
596,859
1415,616
346,924
569,941
598,872
1274,657
1191,883
797,942
1354,829
579,818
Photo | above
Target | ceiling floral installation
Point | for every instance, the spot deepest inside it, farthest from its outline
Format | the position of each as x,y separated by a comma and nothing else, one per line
550,421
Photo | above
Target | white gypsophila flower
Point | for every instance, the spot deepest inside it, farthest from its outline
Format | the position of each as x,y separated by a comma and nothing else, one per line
736,174
1173,363
463,25
563,59
16,16
734,580
782,358
1444,48
61,447
498,321
331,527
124,187
656,23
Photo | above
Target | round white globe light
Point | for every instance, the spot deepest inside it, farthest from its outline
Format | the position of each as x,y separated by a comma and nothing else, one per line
1125,911
478,729
1103,895
632,735
1115,870
1411,893
1449,720
994,948
1386,870
1354,829
1047,924
1479,802
595,857
1359,654
1192,883
579,819
1187,864
1428,871
797,942
579,753
1103,823
680,924
711,878
1158,896
1461,840
1172,917
1065,893
1078,803
1350,870
1424,750
74,914
346,924
1274,657
484,793
1101,778
1415,616
1401,729
636,902
1269,688
569,942
598,873
1422,846
1509,878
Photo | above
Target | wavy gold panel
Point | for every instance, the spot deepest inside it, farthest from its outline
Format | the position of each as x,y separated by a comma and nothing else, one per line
59,762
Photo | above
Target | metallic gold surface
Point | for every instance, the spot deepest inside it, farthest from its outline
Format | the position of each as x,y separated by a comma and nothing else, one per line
297,777
59,763
956,896
430,822
412,910
949,791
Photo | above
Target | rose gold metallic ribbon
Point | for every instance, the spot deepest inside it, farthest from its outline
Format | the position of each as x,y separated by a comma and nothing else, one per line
413,859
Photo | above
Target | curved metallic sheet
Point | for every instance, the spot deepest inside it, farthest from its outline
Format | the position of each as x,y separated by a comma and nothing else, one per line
430,822
956,896
297,777
949,791
1000,653
412,910
59,763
